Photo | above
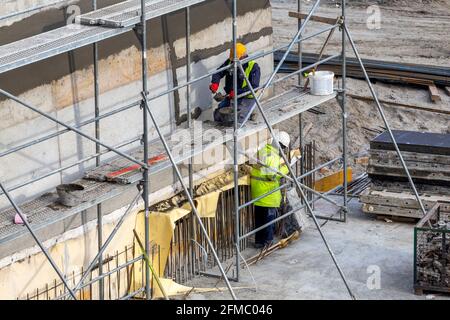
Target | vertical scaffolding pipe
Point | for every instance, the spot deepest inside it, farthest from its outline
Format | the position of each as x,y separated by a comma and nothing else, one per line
97,162
299,46
189,124
145,181
235,140
300,83
344,114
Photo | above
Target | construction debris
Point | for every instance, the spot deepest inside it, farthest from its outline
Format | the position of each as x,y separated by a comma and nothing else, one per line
432,256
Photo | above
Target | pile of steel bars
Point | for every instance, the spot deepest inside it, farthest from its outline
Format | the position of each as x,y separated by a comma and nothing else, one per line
378,70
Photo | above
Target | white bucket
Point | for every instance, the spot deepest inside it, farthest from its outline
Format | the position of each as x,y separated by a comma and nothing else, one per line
321,83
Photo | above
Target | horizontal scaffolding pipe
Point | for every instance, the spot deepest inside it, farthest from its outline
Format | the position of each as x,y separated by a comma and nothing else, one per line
17,13
307,68
306,174
133,294
137,103
286,176
55,134
251,57
272,51
48,174
313,65
103,275
279,218
71,128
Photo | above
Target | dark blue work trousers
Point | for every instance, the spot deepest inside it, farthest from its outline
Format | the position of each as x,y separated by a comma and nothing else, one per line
264,215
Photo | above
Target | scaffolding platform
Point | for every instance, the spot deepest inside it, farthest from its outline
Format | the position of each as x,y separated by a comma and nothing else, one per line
48,44
99,187
278,109
46,210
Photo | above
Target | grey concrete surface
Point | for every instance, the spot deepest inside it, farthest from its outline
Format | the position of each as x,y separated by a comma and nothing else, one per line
304,270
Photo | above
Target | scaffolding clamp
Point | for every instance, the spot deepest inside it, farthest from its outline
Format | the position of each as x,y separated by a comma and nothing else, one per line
137,29
340,21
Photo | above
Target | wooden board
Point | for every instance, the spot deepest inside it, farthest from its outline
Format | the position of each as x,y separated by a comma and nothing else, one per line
434,93
332,181
402,199
302,16
392,211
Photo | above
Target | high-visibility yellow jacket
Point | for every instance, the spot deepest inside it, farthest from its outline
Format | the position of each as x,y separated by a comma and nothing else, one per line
263,180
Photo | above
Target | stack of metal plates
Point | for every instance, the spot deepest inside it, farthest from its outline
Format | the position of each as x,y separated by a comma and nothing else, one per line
427,156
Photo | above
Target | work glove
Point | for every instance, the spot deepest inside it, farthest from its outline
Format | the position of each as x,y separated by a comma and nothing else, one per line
231,95
214,87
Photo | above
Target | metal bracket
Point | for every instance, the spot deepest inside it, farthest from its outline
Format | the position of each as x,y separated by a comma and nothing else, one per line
340,98
138,32
344,210
340,22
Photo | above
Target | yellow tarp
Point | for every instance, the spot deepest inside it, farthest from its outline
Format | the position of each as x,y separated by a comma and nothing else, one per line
162,226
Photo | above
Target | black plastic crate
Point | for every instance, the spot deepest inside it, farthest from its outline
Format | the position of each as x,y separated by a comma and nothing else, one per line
432,252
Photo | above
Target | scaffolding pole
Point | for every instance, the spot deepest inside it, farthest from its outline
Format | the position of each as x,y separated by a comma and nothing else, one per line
142,35
343,98
36,239
235,142
97,160
189,125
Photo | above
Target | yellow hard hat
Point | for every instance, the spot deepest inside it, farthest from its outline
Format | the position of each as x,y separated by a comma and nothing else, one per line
241,51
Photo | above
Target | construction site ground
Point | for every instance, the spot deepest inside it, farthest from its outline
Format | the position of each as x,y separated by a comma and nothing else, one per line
304,269
412,32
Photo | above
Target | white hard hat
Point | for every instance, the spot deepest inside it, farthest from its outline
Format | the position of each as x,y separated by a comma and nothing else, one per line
283,138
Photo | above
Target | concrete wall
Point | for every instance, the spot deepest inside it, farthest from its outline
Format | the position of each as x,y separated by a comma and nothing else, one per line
63,85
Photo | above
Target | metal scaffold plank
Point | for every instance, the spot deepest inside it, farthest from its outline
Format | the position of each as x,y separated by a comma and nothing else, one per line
46,210
48,44
128,13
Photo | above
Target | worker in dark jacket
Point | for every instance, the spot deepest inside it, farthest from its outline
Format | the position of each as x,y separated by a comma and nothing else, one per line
253,73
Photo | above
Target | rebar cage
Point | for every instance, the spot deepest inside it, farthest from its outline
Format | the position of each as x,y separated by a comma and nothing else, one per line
432,251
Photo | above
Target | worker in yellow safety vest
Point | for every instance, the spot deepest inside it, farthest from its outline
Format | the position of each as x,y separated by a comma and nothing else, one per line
253,73
262,181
